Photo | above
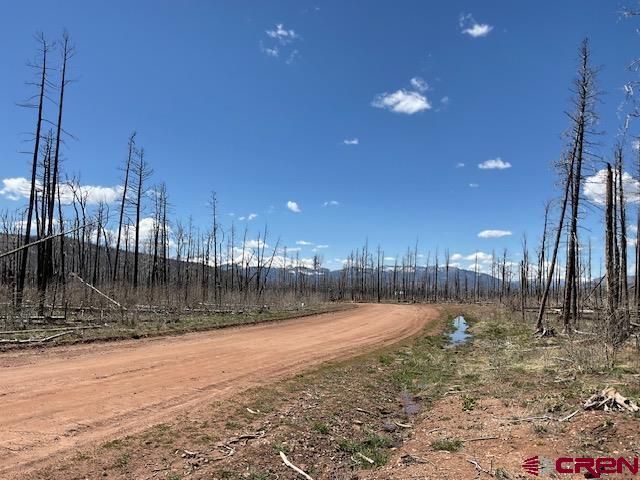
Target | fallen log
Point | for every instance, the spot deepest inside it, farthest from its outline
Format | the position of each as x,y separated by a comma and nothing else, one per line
97,291
34,340
610,399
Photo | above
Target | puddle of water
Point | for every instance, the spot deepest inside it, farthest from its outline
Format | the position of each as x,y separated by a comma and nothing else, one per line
459,335
409,404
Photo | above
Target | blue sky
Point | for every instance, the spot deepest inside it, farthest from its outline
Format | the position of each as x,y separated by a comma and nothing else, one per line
217,109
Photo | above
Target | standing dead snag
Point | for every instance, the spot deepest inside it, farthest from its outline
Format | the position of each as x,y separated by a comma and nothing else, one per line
609,246
67,53
22,271
556,245
142,174
582,118
622,272
125,189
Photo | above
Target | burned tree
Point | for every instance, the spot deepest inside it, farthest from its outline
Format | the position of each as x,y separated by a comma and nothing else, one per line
42,67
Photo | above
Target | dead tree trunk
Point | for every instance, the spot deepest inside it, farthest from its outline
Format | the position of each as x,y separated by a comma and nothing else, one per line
581,118
623,285
127,169
612,293
556,245
22,272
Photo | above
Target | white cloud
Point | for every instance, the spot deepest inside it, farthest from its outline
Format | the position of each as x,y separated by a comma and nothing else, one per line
20,187
281,34
494,233
445,100
147,229
469,26
351,141
331,203
493,164
595,187
255,244
15,188
478,30
295,53
481,256
278,43
271,52
303,242
293,206
459,165
419,84
322,246
251,216
402,101
474,185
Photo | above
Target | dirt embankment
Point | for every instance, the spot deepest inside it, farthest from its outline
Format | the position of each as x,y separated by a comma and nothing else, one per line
60,399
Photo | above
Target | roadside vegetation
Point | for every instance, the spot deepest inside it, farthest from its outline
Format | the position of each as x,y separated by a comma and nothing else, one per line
146,325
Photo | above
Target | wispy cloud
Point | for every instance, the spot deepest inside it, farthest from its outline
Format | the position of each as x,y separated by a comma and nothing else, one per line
303,242
255,244
419,84
278,43
351,141
469,26
331,203
281,34
473,185
460,165
494,233
494,164
481,256
251,216
293,206
271,51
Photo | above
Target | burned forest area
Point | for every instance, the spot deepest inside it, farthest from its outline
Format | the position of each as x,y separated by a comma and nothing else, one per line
140,342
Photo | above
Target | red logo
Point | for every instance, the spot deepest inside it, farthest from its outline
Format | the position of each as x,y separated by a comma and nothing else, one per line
532,466
589,467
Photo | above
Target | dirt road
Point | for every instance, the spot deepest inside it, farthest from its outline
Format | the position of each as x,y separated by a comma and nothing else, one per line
57,400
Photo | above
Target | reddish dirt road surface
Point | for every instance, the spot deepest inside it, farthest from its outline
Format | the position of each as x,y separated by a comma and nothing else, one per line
58,400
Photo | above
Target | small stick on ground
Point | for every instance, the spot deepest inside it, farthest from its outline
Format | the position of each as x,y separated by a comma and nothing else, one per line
477,439
570,416
365,458
403,425
479,467
286,461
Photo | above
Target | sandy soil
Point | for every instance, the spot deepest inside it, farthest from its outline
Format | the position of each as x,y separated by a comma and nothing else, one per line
57,400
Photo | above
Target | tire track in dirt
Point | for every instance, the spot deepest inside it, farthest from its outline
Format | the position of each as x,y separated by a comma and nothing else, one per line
61,399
